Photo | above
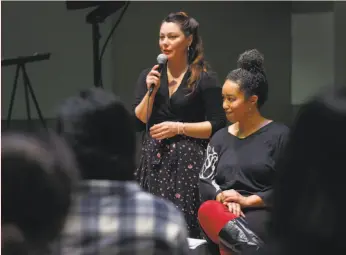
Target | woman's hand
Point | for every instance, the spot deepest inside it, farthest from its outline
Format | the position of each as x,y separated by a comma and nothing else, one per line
233,196
235,208
153,77
165,129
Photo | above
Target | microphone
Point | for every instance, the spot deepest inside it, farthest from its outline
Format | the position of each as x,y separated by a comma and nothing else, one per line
161,60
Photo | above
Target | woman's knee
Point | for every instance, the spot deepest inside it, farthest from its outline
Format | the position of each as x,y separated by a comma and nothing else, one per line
208,210
212,217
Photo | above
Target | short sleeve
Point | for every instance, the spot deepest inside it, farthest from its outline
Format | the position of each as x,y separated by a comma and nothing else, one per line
212,101
281,143
140,91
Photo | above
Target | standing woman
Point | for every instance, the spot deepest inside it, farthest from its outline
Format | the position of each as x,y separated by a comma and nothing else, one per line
185,109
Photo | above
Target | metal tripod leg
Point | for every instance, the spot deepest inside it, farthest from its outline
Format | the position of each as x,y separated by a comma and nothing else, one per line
27,100
97,62
28,86
13,95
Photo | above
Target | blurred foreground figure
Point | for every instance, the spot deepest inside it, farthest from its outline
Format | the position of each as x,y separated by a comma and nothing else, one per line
308,215
38,174
112,214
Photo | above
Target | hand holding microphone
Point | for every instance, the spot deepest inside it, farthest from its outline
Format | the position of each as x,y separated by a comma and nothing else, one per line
153,77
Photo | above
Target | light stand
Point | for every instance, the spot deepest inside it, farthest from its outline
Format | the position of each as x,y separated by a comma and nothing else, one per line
95,17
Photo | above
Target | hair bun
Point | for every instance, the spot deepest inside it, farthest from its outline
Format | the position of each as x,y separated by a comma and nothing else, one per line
251,60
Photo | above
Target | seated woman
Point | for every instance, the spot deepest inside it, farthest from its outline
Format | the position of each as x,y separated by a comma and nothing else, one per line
308,215
38,175
239,168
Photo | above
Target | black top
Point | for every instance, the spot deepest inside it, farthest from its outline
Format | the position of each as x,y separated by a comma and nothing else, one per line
204,103
246,165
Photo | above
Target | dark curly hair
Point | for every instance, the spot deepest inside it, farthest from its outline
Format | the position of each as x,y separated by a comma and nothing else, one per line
251,75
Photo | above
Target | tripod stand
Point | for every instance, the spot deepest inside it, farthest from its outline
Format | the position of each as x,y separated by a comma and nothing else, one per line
20,63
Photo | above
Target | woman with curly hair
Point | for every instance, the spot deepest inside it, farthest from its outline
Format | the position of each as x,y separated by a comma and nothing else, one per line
238,173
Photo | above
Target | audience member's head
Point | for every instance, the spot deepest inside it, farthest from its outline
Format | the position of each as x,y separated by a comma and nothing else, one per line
308,213
38,174
101,132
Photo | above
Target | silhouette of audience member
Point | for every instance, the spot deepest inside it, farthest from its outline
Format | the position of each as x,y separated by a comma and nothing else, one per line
112,214
38,174
308,215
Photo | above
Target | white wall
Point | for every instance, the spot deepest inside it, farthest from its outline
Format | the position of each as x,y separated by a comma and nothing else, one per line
29,27
312,54
340,43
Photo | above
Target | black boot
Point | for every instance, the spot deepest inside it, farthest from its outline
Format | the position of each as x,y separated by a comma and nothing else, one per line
212,247
236,236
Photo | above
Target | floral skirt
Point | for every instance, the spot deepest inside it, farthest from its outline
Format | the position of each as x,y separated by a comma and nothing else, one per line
170,168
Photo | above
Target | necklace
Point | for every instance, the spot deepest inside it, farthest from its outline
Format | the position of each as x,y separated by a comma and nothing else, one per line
174,80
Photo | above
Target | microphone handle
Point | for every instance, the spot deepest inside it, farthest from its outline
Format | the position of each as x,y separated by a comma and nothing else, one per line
152,86
151,89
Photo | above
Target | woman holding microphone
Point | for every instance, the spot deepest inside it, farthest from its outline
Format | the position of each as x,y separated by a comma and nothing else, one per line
182,113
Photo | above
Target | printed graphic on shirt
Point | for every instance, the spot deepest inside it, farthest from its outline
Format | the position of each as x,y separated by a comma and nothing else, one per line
209,167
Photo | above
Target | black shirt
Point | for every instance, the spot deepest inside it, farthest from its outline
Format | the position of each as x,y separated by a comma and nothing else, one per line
246,165
185,105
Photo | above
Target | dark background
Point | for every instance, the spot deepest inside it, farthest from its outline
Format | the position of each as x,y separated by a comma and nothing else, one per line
227,29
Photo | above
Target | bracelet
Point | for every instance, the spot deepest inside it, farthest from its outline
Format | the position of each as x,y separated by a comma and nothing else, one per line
180,128
182,131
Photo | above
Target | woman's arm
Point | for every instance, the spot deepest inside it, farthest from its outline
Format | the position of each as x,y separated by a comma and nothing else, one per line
140,93
253,201
169,129
143,104
212,103
232,196
142,108
197,130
